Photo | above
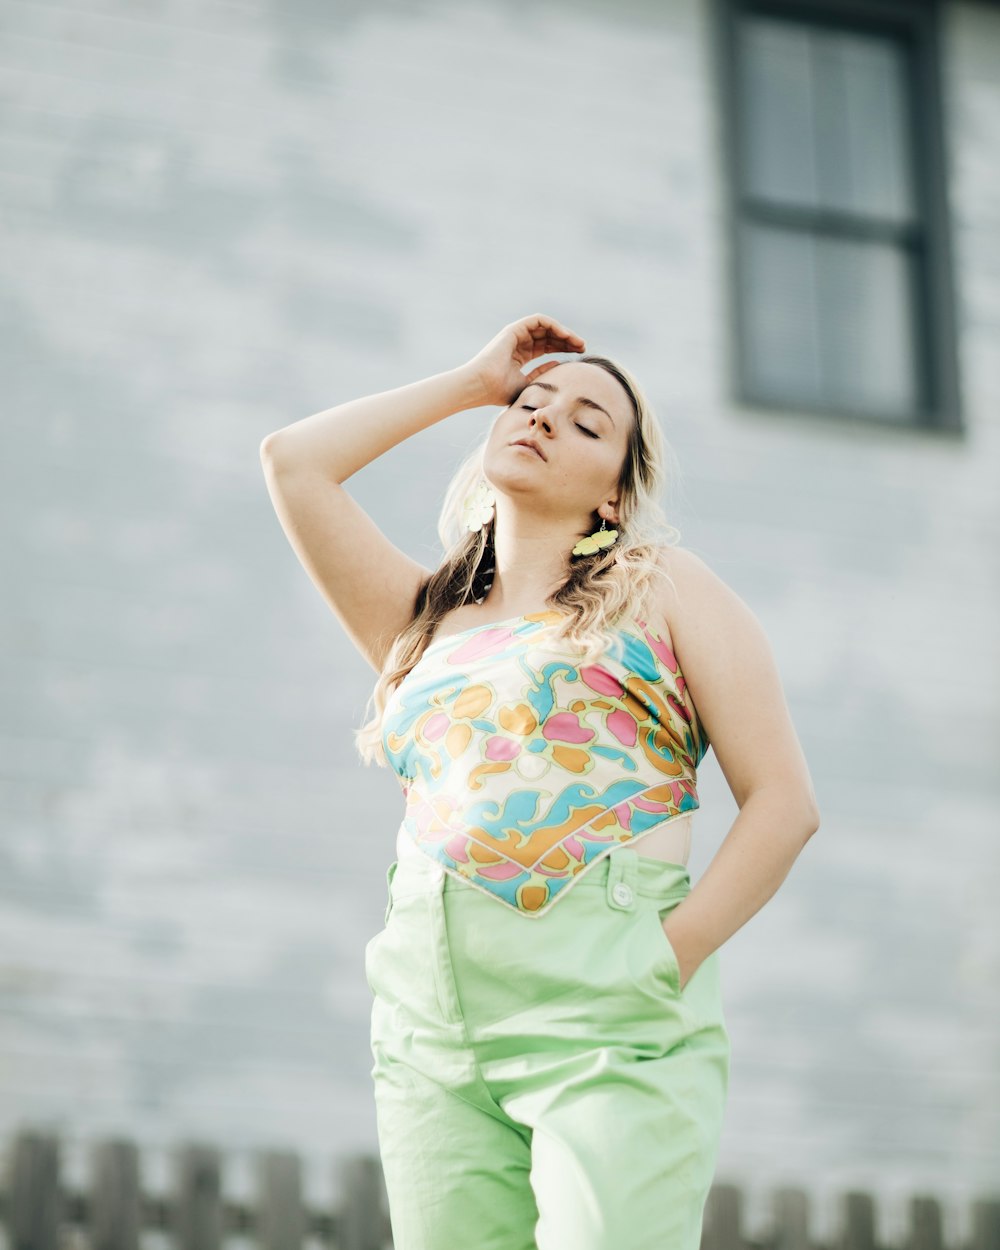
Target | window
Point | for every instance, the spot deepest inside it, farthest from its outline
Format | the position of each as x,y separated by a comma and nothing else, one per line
841,271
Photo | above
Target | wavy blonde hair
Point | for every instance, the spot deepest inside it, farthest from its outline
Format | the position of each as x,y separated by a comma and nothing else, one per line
599,589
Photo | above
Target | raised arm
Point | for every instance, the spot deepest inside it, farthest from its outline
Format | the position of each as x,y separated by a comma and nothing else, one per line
368,582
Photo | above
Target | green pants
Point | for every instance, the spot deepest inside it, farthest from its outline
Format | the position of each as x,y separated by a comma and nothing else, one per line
543,1083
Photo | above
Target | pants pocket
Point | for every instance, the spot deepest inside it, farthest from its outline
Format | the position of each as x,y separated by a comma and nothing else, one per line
374,940
665,961
389,874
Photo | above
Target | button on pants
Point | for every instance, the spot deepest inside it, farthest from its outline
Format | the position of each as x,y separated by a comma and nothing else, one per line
543,1083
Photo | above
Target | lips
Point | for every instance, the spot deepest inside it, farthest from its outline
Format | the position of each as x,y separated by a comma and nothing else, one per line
526,442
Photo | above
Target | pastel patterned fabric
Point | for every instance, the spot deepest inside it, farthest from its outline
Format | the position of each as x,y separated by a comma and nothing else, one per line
521,769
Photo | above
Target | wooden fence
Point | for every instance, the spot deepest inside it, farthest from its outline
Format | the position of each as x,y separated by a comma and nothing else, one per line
40,1213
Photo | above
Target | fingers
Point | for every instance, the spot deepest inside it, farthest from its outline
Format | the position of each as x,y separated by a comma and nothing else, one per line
542,327
547,335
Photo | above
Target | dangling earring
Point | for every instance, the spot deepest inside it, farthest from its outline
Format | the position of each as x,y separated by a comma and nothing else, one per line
478,507
595,542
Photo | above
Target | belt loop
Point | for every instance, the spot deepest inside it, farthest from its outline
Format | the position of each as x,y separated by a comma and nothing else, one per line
622,882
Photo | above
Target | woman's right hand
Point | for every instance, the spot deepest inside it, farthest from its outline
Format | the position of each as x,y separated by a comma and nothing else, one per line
497,368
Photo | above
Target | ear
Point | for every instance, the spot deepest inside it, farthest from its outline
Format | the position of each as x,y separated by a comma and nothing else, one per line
609,511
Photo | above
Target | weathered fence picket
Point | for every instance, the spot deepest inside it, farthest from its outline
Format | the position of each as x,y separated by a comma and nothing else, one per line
115,1196
723,1223
790,1211
281,1214
985,1224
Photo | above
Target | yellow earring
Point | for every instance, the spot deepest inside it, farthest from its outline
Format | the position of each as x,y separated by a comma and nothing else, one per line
596,542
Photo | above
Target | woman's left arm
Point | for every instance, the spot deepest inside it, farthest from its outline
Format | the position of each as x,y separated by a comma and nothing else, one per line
733,680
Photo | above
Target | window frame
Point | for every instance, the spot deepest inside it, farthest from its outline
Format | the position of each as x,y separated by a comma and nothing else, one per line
916,23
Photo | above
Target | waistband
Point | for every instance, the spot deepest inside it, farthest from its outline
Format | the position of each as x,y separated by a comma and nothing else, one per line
622,873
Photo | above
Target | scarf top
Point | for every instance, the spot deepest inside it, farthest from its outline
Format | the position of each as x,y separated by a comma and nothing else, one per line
521,768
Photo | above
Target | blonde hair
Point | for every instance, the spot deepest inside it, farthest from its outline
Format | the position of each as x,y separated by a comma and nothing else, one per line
599,588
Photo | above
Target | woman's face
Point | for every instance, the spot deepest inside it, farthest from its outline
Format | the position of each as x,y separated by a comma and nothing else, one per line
581,418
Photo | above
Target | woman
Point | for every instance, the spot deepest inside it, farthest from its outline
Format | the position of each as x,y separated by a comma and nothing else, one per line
551,1056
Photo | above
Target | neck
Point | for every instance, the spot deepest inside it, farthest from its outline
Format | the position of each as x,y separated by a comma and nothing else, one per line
532,562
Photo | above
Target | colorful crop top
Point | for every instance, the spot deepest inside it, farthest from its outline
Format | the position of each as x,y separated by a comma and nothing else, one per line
521,769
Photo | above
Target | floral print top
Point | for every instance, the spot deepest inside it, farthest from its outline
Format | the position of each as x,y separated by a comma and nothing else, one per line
520,768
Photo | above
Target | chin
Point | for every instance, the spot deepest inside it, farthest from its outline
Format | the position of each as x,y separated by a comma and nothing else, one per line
516,483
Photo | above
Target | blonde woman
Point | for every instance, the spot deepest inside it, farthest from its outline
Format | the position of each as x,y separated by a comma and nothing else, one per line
551,1055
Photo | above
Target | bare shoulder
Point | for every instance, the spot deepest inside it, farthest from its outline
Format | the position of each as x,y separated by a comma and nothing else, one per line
705,617
733,680
702,613
691,589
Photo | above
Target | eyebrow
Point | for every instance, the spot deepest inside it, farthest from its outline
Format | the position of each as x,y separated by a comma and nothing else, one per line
588,403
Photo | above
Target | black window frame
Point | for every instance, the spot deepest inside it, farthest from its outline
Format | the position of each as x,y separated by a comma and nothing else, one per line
917,24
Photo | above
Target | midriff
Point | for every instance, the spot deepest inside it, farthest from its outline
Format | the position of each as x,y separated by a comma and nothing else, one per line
669,841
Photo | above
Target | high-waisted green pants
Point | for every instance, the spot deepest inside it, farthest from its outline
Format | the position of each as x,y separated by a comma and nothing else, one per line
543,1082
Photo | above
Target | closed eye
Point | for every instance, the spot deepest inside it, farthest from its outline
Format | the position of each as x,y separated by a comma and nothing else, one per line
528,408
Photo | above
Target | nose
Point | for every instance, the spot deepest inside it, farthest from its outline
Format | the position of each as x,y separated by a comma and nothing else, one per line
539,417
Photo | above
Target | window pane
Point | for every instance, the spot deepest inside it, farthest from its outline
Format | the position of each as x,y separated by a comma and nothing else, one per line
822,117
775,109
778,287
862,144
827,322
866,327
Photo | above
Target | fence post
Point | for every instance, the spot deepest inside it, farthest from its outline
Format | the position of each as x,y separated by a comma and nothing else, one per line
115,1196
722,1226
34,1199
279,1216
790,1219
196,1222
858,1226
926,1228
361,1224
985,1224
